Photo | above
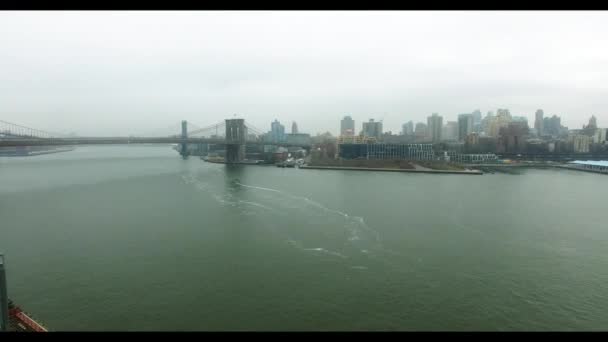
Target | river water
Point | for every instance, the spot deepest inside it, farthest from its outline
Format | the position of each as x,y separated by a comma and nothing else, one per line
136,238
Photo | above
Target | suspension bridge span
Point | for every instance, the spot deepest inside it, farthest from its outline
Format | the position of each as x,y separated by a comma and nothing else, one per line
234,134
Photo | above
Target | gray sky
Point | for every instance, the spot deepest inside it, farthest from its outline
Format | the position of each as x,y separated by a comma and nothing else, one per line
119,73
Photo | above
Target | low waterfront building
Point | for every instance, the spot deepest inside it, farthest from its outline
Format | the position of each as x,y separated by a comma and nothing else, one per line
386,151
591,165
356,139
471,158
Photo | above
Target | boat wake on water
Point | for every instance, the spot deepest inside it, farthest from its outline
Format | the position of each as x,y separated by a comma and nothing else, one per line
326,232
360,239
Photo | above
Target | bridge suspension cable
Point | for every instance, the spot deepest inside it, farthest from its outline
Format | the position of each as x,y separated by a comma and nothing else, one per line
171,131
12,130
253,129
212,129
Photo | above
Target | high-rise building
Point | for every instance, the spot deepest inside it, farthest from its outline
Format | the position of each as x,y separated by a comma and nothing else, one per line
407,128
579,142
476,120
421,132
539,122
590,128
552,126
471,141
600,135
520,119
294,128
476,117
504,113
372,129
347,126
502,119
485,123
512,137
450,131
434,125
592,122
465,125
277,131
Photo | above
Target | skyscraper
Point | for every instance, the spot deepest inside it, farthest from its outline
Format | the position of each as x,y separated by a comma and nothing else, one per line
502,119
407,128
372,129
592,122
294,128
539,122
591,127
476,116
552,126
277,131
512,137
421,132
347,126
465,125
434,124
476,120
450,131
485,123
505,114
520,119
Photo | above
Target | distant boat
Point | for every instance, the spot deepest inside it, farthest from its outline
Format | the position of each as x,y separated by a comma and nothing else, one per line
287,163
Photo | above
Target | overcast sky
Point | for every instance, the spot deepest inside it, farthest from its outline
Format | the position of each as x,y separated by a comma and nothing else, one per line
119,73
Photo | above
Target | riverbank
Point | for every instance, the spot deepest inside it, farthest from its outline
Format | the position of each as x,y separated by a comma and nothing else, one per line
238,163
31,153
577,168
459,172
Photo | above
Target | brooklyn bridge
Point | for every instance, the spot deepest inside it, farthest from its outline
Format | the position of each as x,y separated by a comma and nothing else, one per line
234,134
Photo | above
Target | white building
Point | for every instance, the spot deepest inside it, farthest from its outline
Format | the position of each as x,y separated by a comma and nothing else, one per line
580,143
600,136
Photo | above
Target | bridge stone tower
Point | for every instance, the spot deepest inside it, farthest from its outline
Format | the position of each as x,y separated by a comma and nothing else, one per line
236,134
183,148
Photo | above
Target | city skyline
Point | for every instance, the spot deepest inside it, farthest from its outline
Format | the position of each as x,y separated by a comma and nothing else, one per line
303,171
129,73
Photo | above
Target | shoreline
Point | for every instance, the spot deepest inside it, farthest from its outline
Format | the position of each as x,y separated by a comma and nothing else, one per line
34,153
463,172
240,163
574,168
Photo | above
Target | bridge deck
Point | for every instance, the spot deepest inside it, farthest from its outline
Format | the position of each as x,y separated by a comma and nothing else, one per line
130,140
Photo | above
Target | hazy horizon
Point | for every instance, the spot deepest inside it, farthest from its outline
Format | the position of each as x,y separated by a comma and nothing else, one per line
127,72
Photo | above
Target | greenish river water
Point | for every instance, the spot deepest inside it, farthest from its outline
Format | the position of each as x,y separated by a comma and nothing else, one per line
136,238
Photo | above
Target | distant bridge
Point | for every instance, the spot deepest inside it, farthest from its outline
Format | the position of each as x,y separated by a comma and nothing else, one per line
129,140
233,133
